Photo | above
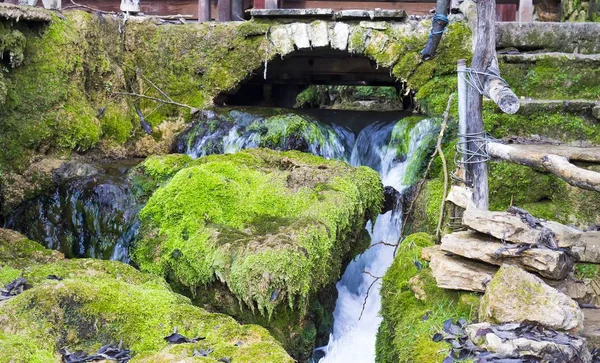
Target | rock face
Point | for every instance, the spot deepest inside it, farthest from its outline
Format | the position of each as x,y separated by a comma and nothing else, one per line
92,303
548,263
509,227
587,248
514,296
457,273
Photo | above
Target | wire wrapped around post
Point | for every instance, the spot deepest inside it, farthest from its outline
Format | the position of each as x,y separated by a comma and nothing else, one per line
438,26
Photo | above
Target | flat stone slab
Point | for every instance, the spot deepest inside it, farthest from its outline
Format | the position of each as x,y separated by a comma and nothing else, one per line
457,273
460,196
550,36
583,59
548,263
528,107
290,13
377,14
510,227
25,13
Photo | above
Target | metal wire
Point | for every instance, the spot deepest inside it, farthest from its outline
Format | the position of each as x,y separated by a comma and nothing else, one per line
472,79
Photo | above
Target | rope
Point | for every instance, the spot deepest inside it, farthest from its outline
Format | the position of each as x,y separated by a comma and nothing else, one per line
439,17
472,79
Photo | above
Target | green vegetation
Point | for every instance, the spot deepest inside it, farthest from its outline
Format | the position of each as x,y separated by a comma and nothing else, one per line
410,322
102,302
221,216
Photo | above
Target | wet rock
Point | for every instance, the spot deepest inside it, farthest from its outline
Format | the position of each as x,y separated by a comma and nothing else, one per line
457,273
510,227
527,343
391,197
73,170
548,263
514,296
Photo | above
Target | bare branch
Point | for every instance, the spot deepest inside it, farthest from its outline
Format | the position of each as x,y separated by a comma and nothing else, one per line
131,94
383,243
76,5
377,278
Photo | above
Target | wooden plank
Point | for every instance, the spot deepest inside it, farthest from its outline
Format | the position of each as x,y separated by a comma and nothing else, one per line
259,4
224,7
237,10
270,4
295,3
203,10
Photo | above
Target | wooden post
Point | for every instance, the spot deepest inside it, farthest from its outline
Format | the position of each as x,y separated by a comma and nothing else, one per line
525,11
237,10
485,47
439,23
259,4
462,104
203,10
224,7
270,4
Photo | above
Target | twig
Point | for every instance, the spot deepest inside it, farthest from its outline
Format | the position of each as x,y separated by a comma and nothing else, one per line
377,278
383,243
75,5
438,147
193,109
420,186
154,86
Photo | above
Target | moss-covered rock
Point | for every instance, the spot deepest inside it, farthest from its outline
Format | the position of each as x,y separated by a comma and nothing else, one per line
275,228
410,322
103,302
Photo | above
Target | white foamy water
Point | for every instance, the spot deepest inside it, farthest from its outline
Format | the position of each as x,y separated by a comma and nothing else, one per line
353,337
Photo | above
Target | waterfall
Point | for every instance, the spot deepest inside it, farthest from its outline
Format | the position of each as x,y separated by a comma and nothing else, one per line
356,316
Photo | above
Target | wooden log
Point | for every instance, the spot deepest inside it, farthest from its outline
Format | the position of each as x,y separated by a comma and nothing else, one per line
483,54
224,7
438,25
548,263
555,164
462,103
498,90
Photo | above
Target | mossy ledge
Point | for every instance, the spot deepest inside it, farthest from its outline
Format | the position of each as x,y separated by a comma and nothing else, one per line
410,322
103,302
270,229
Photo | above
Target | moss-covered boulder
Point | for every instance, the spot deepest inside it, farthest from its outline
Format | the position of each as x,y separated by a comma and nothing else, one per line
414,308
269,229
103,302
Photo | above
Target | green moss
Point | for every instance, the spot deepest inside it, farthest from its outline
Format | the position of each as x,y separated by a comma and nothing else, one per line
553,78
404,335
565,127
102,302
587,270
270,225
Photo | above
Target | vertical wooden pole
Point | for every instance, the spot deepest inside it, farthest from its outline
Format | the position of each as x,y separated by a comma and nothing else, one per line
462,106
485,48
203,10
439,23
526,11
224,10
237,10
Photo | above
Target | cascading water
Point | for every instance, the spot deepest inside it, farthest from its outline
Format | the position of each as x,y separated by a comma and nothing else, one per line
356,316
92,212
394,149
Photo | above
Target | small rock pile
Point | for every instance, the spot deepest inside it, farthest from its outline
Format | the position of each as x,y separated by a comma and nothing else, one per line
524,266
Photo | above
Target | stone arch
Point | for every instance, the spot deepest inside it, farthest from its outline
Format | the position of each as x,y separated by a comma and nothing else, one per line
391,49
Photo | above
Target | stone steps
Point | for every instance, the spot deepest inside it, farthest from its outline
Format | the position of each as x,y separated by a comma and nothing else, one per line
573,58
590,108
